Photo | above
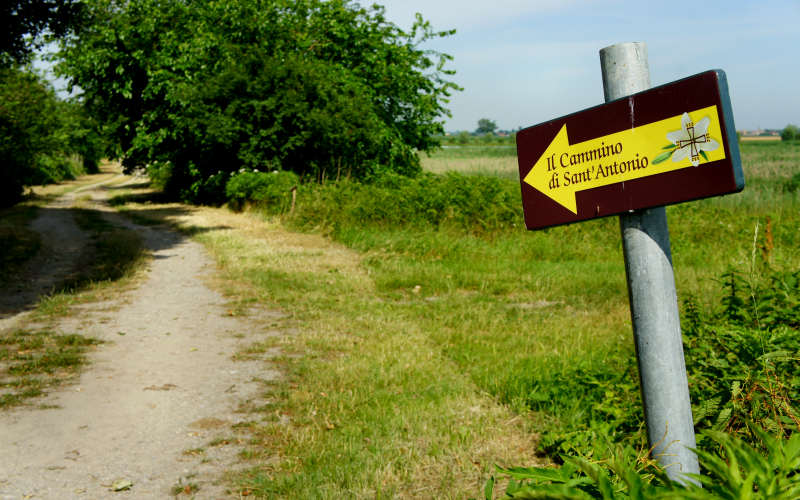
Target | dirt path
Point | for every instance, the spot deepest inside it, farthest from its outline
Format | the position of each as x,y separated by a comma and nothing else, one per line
160,389
63,243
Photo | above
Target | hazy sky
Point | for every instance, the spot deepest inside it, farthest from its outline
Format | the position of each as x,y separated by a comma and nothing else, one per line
522,62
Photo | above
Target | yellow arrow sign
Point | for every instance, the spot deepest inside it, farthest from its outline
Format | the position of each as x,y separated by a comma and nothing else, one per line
690,139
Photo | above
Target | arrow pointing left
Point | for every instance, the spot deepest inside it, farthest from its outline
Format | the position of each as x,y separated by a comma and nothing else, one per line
563,169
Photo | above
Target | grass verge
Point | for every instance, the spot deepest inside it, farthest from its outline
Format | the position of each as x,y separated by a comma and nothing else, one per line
31,361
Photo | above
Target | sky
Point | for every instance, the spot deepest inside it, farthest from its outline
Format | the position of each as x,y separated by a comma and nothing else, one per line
523,62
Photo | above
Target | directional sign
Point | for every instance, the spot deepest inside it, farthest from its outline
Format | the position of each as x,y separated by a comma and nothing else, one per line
666,145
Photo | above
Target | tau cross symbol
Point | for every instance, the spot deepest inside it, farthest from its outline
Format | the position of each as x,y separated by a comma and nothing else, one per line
693,141
690,141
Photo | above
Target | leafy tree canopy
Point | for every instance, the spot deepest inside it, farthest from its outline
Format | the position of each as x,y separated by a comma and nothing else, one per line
22,21
790,133
197,90
42,138
486,126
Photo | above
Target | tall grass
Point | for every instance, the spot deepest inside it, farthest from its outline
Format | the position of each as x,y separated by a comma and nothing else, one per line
506,303
500,161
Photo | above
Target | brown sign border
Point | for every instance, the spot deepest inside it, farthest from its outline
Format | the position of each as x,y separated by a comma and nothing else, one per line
713,179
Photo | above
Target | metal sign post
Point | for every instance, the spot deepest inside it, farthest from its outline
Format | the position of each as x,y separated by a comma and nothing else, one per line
643,149
652,295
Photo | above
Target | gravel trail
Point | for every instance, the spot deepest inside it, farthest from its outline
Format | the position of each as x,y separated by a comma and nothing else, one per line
155,395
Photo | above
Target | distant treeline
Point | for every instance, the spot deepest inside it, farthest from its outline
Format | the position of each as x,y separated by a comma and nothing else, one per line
470,138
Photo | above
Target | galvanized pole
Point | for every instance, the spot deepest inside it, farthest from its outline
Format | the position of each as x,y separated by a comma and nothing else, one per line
653,300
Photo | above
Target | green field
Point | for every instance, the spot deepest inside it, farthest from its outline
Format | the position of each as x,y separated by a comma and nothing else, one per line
489,160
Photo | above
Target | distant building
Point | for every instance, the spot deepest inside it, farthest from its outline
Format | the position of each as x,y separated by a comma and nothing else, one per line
760,133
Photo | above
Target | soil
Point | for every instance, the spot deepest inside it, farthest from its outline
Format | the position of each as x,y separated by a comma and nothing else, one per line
154,413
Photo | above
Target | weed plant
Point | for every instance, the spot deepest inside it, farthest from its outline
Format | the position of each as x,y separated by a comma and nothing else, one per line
742,363
740,471
270,189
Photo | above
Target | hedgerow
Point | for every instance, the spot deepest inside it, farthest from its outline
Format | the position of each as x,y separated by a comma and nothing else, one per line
472,203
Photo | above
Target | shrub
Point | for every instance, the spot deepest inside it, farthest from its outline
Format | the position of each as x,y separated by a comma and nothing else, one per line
50,169
269,191
790,133
742,362
476,204
793,184
160,173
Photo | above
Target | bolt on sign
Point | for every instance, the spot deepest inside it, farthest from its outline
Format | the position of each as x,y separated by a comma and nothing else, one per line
666,145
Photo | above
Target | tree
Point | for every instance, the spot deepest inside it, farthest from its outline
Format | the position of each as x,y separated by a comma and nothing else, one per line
22,22
42,139
486,126
790,133
202,89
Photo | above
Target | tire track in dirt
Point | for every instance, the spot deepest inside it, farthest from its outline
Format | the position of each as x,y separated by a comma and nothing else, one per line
163,383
